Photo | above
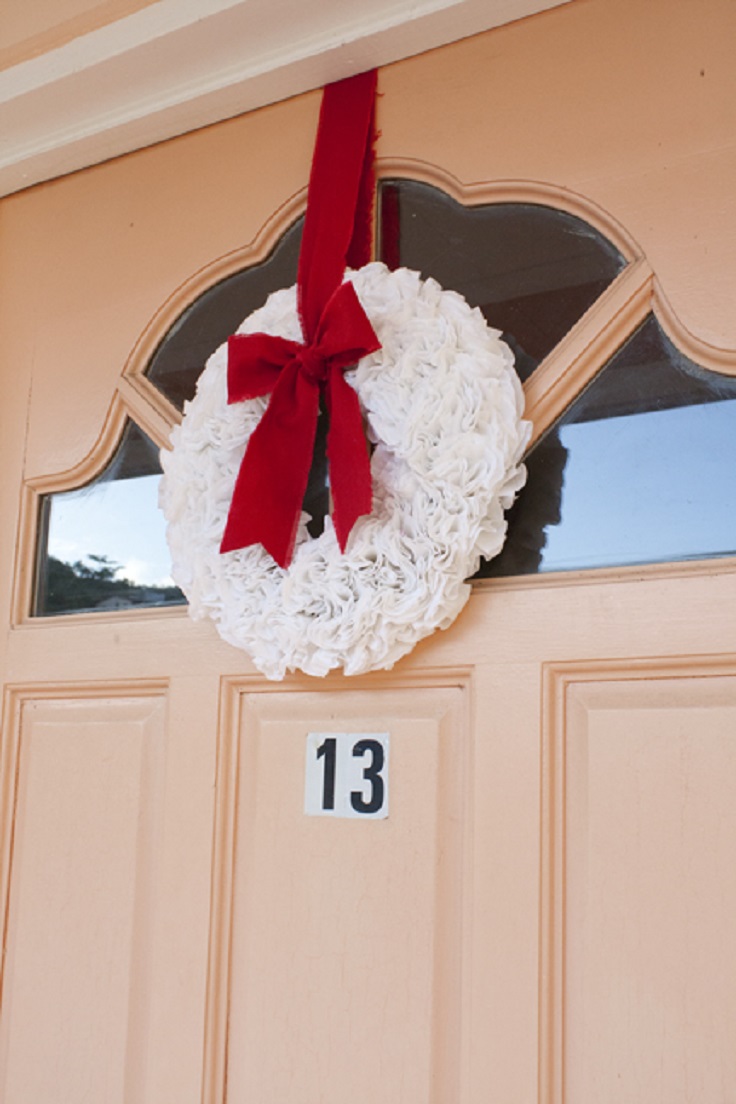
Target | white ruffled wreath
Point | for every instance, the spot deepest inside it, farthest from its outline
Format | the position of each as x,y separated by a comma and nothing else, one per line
443,408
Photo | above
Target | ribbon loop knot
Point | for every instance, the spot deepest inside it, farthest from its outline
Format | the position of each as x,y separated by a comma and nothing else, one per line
279,452
312,364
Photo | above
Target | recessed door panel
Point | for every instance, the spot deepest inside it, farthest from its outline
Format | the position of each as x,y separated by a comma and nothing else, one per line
344,967
83,857
647,889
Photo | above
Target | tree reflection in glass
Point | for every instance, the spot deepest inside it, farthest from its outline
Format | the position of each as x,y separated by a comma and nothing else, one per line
102,547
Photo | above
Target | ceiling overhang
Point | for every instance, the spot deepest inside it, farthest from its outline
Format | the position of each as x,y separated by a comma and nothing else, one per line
177,65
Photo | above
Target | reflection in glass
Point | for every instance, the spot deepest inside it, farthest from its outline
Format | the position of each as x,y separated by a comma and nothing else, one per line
638,470
103,546
178,362
532,270
209,321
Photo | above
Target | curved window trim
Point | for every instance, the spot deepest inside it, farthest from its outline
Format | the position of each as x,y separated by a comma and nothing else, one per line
562,375
122,408
513,191
621,308
256,251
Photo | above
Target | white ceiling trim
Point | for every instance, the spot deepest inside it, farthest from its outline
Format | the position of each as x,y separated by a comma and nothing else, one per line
182,64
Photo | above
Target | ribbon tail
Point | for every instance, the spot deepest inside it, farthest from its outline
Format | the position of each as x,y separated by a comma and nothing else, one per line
267,500
348,456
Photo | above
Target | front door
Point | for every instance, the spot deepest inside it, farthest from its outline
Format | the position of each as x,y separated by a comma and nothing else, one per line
545,914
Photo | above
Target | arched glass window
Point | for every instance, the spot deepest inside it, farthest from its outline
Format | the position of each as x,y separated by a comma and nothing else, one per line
532,270
630,473
101,547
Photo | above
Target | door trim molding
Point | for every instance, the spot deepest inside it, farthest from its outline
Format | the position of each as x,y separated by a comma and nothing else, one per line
178,65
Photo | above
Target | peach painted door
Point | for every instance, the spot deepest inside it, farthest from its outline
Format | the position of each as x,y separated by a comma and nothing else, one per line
546,913
546,909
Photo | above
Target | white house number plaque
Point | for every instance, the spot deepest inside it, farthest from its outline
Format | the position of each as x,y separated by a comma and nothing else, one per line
347,775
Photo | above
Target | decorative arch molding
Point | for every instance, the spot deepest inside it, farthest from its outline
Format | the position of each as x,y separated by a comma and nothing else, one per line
634,294
513,191
96,459
572,364
127,403
468,195
713,357
83,472
187,292
604,327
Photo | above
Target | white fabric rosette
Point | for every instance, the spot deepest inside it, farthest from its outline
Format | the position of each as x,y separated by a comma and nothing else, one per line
443,408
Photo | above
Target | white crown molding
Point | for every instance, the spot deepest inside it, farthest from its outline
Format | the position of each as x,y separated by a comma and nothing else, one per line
181,64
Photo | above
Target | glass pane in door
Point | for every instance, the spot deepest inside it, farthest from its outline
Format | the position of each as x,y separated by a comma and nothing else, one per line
102,547
639,469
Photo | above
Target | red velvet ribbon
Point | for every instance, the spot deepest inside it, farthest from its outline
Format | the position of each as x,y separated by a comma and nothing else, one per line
273,476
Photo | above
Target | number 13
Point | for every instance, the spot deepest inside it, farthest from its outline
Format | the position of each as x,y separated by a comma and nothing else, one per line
347,775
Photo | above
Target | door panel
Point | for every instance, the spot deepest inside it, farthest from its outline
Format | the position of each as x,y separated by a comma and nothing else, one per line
643,823
344,950
84,825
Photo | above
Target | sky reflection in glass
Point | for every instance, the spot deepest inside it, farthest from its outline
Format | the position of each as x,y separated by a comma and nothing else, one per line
102,547
639,469
654,486
119,520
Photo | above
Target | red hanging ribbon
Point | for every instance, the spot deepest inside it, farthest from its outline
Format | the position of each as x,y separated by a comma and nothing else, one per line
273,476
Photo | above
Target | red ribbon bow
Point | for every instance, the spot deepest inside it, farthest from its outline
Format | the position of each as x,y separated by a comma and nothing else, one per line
273,476
280,449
